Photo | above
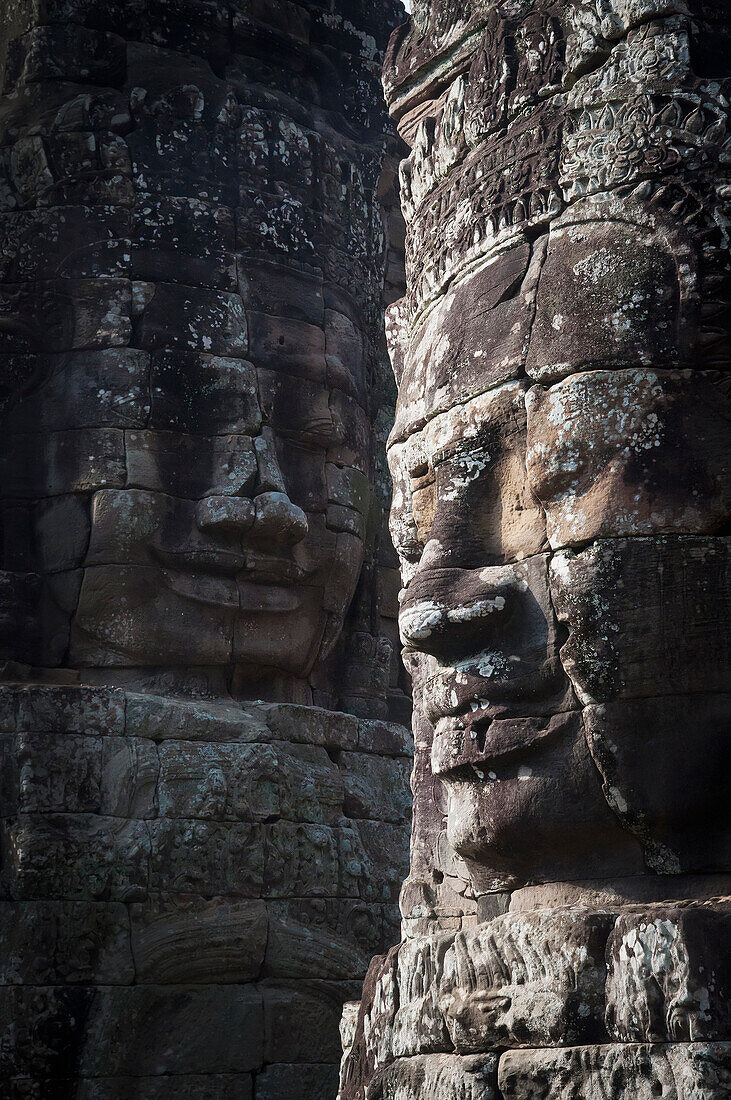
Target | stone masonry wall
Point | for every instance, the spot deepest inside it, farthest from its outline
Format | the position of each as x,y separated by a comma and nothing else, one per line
189,891
204,786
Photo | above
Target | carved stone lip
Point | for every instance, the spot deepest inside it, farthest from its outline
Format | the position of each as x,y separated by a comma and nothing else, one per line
454,694
490,743
217,560
262,569
250,566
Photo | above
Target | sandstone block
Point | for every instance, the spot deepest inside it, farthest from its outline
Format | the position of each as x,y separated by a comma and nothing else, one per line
214,1086
376,788
301,860
195,318
77,856
660,806
151,616
625,1072
76,461
64,942
437,1077
384,738
285,344
628,452
59,709
283,291
219,782
668,974
151,1030
104,388
314,1082
202,394
476,323
419,1026
609,652
186,239
82,242
321,938
294,404
318,1004
312,725
183,940
626,302
74,314
161,719
206,858
526,980
190,466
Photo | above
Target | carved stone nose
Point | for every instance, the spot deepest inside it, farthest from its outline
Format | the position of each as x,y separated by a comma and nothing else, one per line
445,611
278,520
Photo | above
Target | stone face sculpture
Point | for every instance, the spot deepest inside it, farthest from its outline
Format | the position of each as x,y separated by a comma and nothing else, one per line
204,768
561,503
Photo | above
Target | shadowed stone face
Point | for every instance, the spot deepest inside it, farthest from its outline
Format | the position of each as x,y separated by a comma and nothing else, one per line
192,271
220,552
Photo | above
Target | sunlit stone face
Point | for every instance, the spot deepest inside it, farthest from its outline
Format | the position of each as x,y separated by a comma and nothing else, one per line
535,524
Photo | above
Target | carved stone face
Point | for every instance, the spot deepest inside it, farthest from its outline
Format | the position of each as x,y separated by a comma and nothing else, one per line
560,448
527,519
213,512
189,359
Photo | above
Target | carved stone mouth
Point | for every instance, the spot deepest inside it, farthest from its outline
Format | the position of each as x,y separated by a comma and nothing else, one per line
484,747
219,561
261,569
216,560
483,686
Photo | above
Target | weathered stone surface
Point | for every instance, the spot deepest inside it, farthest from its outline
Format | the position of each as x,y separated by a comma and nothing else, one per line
658,806
181,940
319,1003
437,1075
165,1023
636,452
529,980
65,942
190,856
609,653
668,974
215,1086
622,1071
321,938
369,787
317,1082
76,857
560,509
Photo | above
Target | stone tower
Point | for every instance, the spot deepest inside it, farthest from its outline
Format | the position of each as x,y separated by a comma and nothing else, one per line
204,764
561,508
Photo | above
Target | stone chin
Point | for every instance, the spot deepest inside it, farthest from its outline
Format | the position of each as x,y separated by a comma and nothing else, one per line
533,812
